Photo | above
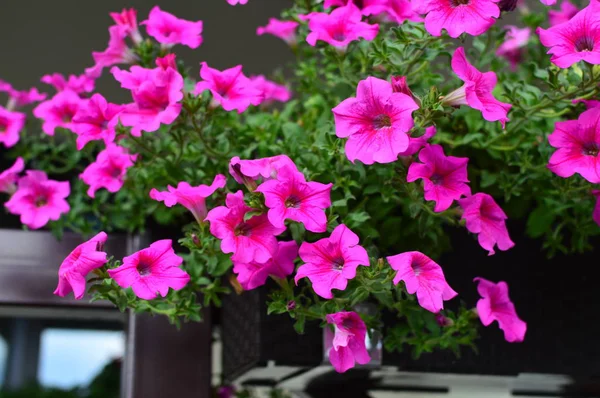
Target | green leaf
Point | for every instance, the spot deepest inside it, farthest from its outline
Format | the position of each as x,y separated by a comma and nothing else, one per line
540,221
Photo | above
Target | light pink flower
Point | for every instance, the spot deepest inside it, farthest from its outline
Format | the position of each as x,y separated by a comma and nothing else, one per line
271,91
78,84
495,305
285,30
117,51
59,111
290,197
252,275
575,40
486,218
416,143
514,41
9,177
96,120
11,124
473,17
192,198
375,121
81,261
127,19
348,346
596,213
331,262
20,97
250,240
169,30
236,2
267,168
230,88
151,271
109,169
422,276
567,11
166,62
444,177
38,199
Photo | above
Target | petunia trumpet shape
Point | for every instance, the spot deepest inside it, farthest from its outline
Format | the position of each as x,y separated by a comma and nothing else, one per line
169,30
348,345
9,177
96,120
495,305
253,169
77,83
117,51
11,124
331,262
567,11
473,17
271,91
109,169
285,30
252,275
79,263
151,271
18,98
59,111
375,122
514,41
127,19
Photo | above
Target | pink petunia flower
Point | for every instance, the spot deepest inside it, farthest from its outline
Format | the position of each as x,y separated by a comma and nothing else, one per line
588,103
248,240
331,262
375,121
96,120
285,30
59,111
38,199
117,51
192,198
595,214
109,169
486,218
399,85
396,11
9,177
473,17
151,271
271,91
575,40
236,2
267,168
169,30
514,41
477,90
11,124
166,62
444,177
578,144
495,305
290,197
79,263
230,88
423,276
416,143
252,275
548,2
78,84
348,345
567,11
20,97
127,19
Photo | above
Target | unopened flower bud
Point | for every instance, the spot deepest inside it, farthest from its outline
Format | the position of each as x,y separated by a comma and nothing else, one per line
196,240
443,321
291,305
399,85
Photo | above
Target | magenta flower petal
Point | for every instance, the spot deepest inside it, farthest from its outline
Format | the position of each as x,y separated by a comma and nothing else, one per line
285,30
117,51
271,91
59,111
512,47
267,168
96,120
416,143
567,11
11,124
252,275
169,30
9,177
21,97
456,17
109,169
127,19
78,84
236,2
349,345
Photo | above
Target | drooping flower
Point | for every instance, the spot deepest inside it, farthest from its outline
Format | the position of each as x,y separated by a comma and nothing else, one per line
127,19
485,218
477,90
236,2
271,91
473,17
253,169
252,275
416,143
192,198
290,197
575,40
331,262
248,240
169,30
567,11
20,97
78,84
424,277
375,121
11,124
151,271
59,111
285,30
96,120
38,199
9,177
109,169
596,213
117,51
230,88
444,177
81,261
495,305
514,41
348,345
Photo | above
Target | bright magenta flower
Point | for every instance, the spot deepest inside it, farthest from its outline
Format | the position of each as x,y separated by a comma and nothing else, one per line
375,121
81,261
11,124
416,143
9,177
192,198
151,271
248,240
567,11
588,103
444,177
78,84
109,169
331,262
38,199
96,120
575,40
495,305
473,17
485,218
290,197
252,275
548,2
59,111
169,30
20,97
166,62
230,88
514,41
596,213
285,30
117,51
348,346
127,19
236,2
267,168
422,276
397,11
271,91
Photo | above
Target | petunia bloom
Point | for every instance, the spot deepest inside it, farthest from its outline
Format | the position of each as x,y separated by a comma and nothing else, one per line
444,177
252,275
79,263
109,169
59,111
567,11
290,197
331,262
77,83
495,305
9,177
169,30
375,122
11,124
285,30
477,90
20,97
151,271
575,40
548,2
96,120
473,17
127,19
399,85
416,143
248,240
236,2
424,277
396,11
253,169
117,51
38,199
484,217
192,198
349,341
596,213
514,41
166,62
270,91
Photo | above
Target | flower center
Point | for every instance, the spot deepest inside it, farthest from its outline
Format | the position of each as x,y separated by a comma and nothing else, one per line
144,269
41,201
381,121
348,324
113,171
3,125
292,202
337,264
585,43
242,229
339,35
416,267
591,149
458,3
436,179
